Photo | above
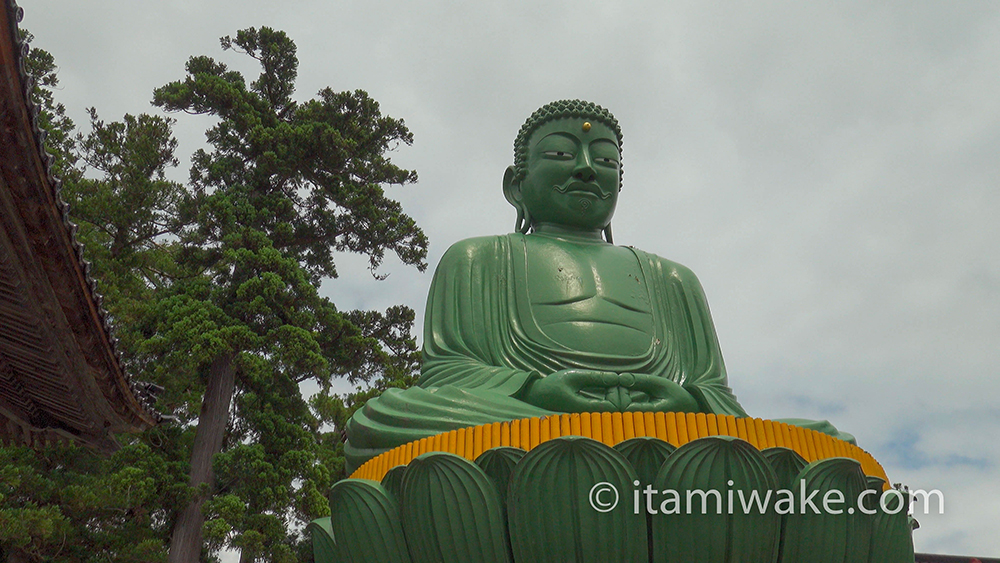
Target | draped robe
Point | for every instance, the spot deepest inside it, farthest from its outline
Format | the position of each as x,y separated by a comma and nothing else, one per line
482,346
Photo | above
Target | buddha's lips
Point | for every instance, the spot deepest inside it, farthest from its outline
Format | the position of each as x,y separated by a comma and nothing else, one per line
584,187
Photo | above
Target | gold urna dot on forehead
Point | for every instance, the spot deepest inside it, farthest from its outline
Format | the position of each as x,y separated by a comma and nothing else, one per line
586,126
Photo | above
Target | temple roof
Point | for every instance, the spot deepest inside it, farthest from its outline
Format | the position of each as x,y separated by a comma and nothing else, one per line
61,377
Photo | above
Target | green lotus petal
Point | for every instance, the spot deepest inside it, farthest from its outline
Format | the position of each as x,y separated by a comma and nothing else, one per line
366,523
452,512
892,535
551,518
828,538
876,485
746,534
499,463
646,456
393,481
324,548
787,464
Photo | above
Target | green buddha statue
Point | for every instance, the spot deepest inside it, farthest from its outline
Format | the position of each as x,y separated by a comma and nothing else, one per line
554,317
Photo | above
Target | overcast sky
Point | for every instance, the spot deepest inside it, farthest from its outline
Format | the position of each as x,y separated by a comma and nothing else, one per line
828,169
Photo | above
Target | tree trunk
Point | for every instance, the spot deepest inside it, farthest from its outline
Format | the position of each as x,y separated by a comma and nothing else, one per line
185,541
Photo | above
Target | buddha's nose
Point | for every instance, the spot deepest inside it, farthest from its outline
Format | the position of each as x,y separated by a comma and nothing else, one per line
584,168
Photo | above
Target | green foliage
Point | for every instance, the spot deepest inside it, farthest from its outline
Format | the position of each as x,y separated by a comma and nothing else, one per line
59,128
68,504
132,205
227,265
127,210
308,176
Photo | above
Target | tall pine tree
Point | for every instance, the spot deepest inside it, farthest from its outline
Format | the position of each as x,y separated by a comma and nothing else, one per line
285,186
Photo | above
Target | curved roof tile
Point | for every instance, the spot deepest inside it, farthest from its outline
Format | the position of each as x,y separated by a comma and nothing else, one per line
60,371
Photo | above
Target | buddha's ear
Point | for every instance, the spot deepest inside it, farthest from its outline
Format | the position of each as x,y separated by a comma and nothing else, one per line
512,189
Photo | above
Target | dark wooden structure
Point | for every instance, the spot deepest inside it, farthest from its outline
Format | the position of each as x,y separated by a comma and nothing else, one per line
60,376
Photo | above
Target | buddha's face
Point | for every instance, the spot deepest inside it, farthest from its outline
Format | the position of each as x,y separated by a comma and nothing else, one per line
573,174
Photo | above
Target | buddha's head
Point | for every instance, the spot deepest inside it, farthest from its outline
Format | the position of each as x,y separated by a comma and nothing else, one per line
567,168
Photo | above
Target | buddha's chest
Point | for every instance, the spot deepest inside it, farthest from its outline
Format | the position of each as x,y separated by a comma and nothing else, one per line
589,297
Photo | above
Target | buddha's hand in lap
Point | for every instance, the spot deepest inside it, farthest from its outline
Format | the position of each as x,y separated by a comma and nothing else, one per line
573,390
578,390
657,394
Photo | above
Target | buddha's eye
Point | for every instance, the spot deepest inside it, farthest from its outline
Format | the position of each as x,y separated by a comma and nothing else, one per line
607,162
558,155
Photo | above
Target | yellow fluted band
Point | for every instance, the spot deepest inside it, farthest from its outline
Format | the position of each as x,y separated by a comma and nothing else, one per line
614,427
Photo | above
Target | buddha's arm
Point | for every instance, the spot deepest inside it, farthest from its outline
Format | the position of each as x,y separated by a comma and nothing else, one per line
470,373
465,340
704,374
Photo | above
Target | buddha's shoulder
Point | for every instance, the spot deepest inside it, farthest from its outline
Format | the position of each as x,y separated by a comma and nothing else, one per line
665,267
477,249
